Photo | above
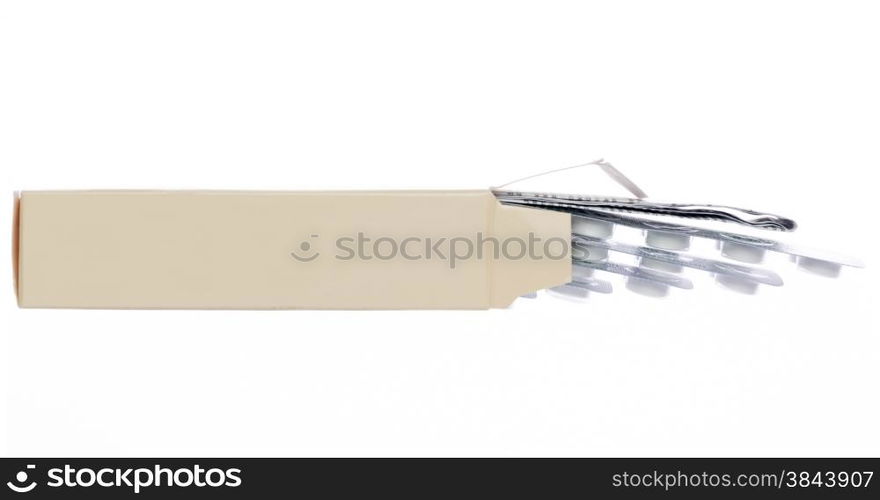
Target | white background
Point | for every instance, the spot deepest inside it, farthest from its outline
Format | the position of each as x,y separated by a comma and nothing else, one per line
771,105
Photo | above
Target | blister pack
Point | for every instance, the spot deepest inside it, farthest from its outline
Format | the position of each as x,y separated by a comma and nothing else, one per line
667,230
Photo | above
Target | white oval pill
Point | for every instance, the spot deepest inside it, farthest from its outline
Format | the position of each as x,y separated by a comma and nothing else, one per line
668,241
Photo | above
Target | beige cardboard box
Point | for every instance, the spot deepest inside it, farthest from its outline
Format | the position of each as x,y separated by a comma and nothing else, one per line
283,250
